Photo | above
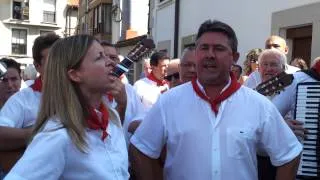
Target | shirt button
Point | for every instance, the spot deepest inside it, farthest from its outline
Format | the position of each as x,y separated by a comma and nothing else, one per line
216,172
215,149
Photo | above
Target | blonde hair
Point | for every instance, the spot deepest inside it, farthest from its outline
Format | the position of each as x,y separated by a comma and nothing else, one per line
61,97
252,56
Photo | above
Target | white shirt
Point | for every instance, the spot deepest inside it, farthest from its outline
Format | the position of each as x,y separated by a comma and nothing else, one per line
134,109
201,145
21,109
254,78
148,91
52,155
286,100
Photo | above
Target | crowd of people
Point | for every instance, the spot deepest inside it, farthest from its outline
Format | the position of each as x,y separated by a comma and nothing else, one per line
197,117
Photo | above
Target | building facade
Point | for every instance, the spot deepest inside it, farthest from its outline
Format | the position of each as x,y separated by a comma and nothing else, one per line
174,23
21,21
121,22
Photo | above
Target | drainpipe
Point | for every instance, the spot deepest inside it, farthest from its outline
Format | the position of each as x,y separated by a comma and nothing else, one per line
66,25
176,29
149,14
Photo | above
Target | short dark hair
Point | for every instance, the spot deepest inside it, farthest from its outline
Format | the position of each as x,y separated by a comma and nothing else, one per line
43,42
218,26
156,56
10,63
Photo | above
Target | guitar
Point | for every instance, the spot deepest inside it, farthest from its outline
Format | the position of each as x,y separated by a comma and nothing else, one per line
275,85
144,47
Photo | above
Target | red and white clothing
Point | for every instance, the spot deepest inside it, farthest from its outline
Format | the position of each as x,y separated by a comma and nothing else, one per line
204,145
134,110
254,78
21,109
52,155
149,89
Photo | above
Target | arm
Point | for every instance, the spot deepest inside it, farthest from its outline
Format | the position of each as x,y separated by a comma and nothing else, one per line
12,119
14,138
133,126
288,171
147,143
44,158
144,168
284,152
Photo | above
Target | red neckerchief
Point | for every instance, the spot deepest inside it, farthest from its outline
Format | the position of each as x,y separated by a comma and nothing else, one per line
316,67
234,86
159,82
37,85
94,122
154,79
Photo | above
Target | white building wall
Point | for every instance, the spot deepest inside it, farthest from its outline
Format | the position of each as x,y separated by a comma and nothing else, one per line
250,19
34,25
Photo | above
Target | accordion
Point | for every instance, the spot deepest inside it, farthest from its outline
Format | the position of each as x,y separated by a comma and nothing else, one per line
307,110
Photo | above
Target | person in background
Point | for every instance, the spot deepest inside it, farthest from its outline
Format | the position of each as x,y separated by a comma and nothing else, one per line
173,76
237,71
251,63
76,125
187,66
127,103
11,81
272,42
146,68
19,113
151,87
29,74
299,63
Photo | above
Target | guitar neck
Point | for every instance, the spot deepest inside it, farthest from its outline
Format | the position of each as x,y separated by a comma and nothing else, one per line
122,67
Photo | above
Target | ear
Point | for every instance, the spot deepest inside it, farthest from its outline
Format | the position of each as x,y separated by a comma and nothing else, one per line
37,66
286,50
236,56
74,75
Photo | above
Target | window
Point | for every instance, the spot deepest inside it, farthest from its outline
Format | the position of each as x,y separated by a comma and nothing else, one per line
20,10
101,19
106,18
49,11
19,41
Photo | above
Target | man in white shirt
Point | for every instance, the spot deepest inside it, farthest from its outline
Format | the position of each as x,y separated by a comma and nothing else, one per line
20,111
212,126
151,87
128,103
273,42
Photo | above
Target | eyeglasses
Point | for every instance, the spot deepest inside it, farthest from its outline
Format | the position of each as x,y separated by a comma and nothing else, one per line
174,75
